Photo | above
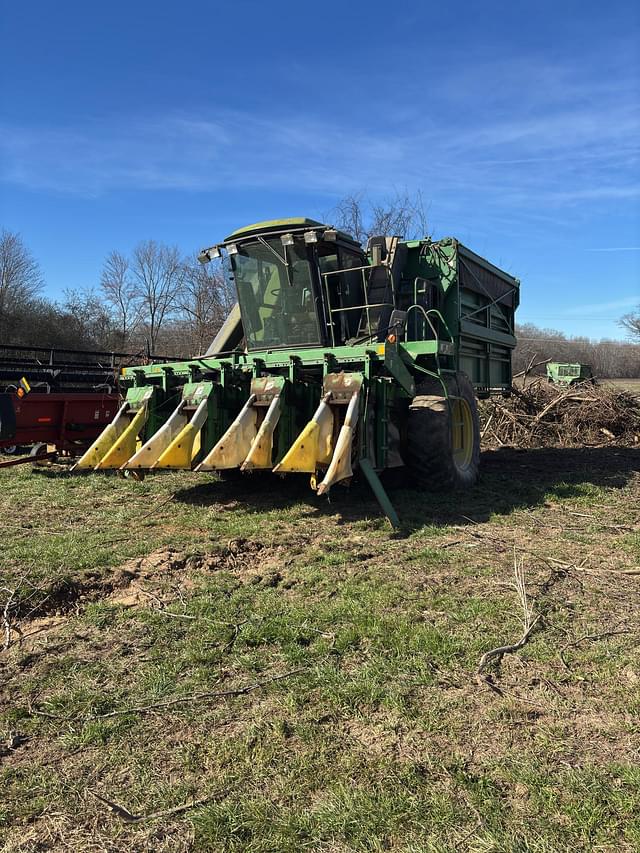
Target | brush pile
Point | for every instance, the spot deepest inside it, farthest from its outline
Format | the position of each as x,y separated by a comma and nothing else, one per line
542,415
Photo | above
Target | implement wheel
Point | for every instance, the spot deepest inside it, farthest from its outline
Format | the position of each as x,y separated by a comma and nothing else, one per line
443,435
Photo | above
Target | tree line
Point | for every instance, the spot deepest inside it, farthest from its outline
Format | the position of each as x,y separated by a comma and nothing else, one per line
608,358
157,300
154,299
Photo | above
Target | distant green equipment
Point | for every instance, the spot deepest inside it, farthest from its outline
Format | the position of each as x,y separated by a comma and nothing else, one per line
569,374
338,360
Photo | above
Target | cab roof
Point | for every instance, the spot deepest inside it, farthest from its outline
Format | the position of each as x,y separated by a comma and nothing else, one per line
294,223
275,225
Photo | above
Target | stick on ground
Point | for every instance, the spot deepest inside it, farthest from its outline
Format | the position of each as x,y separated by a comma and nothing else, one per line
528,621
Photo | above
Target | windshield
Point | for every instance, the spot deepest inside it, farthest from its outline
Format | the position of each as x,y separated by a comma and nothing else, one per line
569,370
277,310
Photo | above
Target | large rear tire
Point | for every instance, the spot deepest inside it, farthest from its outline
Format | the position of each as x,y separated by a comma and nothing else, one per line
443,435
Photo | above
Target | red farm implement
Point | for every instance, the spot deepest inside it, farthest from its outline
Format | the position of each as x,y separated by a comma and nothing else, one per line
57,401
68,420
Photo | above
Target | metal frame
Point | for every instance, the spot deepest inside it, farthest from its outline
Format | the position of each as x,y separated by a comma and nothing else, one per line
367,306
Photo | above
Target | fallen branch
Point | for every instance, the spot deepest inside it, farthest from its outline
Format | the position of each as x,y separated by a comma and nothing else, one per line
128,817
500,651
156,507
196,697
550,561
531,366
528,621
180,700
552,405
591,637
487,425
6,621
469,803
234,626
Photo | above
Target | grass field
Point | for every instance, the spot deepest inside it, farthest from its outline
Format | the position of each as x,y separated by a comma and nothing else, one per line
208,666
632,385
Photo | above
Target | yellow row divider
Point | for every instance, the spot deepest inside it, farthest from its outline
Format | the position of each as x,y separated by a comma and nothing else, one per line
107,438
125,446
235,444
261,451
340,465
184,447
314,444
153,449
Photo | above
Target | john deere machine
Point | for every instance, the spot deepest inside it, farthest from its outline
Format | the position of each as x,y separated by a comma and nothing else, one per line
569,374
336,361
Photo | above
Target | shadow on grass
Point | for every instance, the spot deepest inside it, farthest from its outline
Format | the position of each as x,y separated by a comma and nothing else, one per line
510,479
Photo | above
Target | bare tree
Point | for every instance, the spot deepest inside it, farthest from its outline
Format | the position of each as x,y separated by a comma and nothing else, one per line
158,274
88,320
402,215
205,301
348,216
631,322
20,278
608,358
119,293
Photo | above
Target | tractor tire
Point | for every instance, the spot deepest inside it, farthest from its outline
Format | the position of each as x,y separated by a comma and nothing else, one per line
443,436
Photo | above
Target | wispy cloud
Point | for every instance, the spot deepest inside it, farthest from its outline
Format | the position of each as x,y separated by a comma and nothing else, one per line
615,249
548,139
603,307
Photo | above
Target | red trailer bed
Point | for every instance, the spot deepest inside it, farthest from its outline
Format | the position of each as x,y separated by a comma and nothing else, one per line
70,421
81,396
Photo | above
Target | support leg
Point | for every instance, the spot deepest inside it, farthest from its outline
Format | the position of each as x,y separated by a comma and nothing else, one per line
378,490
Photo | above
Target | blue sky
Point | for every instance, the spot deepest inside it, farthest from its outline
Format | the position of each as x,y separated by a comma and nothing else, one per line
518,122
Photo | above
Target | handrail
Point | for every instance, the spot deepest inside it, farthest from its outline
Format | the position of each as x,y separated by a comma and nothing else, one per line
367,306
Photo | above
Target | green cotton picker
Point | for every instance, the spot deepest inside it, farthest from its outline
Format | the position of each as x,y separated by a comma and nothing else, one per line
336,361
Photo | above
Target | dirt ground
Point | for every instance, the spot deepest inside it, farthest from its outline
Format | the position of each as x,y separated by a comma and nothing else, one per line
196,665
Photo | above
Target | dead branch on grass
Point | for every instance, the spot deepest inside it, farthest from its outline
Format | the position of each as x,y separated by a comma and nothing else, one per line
462,794
235,627
591,638
169,703
156,507
552,562
128,817
16,605
6,616
197,697
529,622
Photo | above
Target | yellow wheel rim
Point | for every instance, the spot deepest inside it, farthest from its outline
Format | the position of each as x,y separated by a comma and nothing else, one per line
461,433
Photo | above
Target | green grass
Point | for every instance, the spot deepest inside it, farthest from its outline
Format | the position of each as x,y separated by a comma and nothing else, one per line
632,385
380,737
